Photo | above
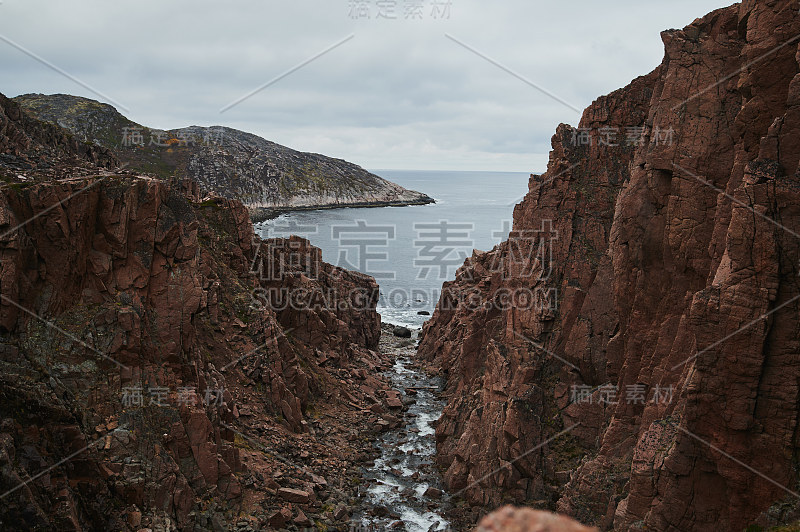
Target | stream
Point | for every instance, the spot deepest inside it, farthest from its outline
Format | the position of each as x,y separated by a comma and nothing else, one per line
403,489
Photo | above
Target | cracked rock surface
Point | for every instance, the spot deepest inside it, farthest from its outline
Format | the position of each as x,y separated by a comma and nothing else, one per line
674,274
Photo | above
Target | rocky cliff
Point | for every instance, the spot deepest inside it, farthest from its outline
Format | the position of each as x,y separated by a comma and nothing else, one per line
265,176
152,373
629,357
29,145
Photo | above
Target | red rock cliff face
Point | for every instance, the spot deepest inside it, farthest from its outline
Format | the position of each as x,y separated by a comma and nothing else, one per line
658,389
27,143
115,283
139,287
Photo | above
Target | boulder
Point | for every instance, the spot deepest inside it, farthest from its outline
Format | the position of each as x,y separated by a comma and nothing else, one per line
293,495
510,519
280,518
433,493
302,520
402,332
341,512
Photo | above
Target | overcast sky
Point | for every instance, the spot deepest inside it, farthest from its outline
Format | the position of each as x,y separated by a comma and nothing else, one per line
399,94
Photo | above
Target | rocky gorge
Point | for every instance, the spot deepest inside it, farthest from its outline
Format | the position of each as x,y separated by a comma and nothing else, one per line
626,360
143,386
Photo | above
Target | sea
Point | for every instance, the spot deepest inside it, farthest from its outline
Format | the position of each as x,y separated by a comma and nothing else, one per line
411,251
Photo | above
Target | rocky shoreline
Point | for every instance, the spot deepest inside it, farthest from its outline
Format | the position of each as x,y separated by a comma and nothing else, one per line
282,439
163,368
262,214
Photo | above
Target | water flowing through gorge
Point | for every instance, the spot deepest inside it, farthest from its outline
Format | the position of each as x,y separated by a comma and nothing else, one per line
393,488
402,487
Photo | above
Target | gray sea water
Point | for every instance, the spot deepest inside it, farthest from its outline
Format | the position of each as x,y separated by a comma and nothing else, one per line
412,250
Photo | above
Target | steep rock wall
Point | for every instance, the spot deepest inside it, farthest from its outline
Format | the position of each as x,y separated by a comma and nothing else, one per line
674,274
117,283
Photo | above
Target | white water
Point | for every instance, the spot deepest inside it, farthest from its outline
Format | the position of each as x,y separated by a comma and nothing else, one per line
403,496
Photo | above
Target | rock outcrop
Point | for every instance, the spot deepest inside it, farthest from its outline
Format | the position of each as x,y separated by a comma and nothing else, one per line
150,375
265,176
510,519
629,357
27,144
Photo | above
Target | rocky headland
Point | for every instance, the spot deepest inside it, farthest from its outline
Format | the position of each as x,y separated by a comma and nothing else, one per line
266,177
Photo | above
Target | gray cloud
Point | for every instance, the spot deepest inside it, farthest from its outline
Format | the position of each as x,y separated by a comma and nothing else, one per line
398,95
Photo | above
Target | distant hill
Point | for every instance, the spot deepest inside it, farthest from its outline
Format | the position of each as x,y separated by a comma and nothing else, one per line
265,176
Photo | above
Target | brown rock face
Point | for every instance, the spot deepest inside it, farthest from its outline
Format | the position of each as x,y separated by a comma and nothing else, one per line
510,519
29,144
629,356
131,341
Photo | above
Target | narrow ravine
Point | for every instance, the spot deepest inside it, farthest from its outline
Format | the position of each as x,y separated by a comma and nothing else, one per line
403,489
